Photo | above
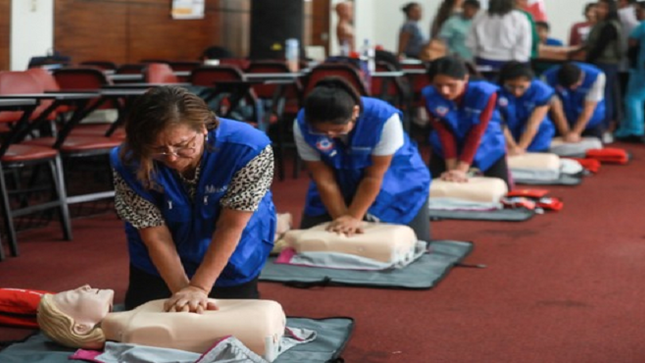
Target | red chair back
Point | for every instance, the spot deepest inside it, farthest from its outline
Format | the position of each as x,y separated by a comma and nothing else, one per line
13,83
103,65
46,79
159,73
206,76
345,71
240,63
70,79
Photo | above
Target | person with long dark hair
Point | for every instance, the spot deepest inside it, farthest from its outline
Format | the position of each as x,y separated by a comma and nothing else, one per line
362,164
466,124
524,103
446,9
605,51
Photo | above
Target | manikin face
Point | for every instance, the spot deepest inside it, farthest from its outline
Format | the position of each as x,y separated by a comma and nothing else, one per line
517,87
85,305
448,87
179,147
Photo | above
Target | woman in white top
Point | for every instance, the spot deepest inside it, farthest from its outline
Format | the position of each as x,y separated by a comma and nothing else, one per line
499,35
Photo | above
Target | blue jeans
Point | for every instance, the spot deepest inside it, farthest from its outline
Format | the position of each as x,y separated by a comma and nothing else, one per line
632,124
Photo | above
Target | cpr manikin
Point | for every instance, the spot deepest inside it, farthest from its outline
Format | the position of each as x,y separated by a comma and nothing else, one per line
479,193
387,243
82,318
577,149
539,166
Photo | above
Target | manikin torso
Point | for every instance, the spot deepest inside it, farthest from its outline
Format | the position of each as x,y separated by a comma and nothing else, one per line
259,324
379,241
477,189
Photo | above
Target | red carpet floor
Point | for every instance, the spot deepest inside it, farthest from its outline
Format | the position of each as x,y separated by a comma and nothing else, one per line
562,287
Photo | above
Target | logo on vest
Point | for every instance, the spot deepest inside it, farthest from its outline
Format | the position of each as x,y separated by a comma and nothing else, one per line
441,110
503,101
324,144
211,189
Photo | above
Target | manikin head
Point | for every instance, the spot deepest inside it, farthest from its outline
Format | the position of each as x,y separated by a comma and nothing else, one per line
166,126
449,76
516,78
72,317
332,107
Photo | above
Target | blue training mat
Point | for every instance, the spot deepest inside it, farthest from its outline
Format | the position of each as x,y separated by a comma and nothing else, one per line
564,179
423,273
332,337
500,215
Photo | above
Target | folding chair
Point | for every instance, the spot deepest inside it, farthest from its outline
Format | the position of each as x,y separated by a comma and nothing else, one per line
16,154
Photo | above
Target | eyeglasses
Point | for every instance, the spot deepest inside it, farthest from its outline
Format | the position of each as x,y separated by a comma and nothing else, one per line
346,129
512,88
186,151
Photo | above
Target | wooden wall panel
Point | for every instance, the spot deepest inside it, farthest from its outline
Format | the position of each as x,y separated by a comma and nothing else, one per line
91,30
236,26
154,34
5,33
126,31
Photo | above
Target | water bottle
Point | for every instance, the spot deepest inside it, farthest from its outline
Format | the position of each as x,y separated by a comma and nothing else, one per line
368,63
292,54
344,48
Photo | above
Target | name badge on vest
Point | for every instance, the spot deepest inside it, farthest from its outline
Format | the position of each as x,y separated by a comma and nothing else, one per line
326,146
442,111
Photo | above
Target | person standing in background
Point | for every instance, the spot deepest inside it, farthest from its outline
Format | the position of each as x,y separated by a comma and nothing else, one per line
580,31
632,128
447,9
411,39
499,35
543,29
604,50
455,30
345,27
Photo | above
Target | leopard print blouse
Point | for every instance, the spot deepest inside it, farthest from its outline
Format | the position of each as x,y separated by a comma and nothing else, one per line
245,192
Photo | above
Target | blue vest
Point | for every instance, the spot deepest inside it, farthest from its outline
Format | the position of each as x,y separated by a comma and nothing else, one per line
460,119
406,184
573,101
192,222
517,111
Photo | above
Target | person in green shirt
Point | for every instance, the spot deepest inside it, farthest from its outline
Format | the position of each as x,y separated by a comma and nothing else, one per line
522,5
454,30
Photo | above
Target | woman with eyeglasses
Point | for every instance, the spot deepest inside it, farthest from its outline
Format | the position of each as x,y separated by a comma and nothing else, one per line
362,164
193,190
466,124
524,104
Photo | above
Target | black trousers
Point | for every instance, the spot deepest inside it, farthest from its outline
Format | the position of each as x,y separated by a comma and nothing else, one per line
144,287
595,131
499,169
420,224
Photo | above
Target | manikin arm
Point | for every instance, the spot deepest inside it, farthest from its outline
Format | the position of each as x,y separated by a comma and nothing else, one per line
194,297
